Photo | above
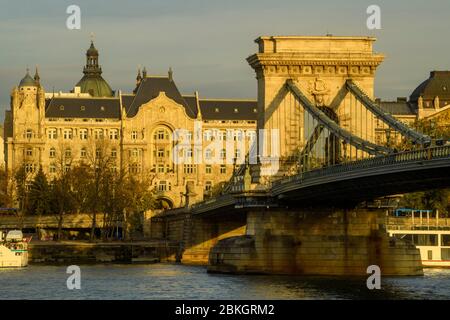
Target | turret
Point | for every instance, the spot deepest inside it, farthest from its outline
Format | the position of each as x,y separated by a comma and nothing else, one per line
144,73
37,78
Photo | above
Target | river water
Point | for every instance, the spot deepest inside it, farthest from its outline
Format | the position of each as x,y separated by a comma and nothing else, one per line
171,281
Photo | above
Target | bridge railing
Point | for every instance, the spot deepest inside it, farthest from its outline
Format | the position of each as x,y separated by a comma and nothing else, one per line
395,158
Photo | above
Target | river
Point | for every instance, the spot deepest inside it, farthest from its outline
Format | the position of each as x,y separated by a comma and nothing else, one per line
171,281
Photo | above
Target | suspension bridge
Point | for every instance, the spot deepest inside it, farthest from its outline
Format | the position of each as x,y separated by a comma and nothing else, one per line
337,148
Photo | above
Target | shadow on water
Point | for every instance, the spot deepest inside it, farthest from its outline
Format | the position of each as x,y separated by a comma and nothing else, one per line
172,281
435,284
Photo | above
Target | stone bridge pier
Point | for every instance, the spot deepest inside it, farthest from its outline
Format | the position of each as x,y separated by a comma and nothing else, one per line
197,235
315,242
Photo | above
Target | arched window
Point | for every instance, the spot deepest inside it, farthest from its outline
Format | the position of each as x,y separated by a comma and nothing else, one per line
161,134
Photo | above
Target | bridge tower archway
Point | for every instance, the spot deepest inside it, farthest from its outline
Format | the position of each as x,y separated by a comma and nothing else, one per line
320,67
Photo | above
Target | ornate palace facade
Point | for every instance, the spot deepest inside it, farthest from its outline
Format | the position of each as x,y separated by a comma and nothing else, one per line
135,130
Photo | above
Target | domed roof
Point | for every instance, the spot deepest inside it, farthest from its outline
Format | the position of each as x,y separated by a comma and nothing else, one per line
95,85
27,81
92,81
438,84
92,51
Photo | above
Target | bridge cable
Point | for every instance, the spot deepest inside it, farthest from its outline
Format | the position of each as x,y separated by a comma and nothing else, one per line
384,116
320,116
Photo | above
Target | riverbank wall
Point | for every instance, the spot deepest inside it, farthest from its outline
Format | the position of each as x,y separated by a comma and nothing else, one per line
77,252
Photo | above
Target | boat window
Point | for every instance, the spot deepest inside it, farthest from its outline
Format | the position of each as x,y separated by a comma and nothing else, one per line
445,240
419,239
445,254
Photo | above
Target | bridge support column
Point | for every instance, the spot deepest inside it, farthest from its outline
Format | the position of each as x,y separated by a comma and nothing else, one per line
315,242
203,234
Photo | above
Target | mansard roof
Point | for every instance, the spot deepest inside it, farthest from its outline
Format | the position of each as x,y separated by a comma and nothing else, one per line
223,109
60,107
150,88
399,107
438,84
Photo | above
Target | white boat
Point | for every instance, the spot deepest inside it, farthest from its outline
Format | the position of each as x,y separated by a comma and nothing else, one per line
13,249
427,231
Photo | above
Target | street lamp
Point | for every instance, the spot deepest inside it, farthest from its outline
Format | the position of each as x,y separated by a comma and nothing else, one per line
344,145
388,137
433,131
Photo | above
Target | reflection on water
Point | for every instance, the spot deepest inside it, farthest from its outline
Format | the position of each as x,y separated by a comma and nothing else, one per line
167,281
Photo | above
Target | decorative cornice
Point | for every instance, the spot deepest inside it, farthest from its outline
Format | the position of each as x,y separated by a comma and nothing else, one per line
264,59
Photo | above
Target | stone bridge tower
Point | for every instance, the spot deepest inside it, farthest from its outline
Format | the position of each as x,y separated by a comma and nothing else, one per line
320,65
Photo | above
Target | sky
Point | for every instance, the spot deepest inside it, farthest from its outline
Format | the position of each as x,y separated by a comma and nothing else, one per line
206,42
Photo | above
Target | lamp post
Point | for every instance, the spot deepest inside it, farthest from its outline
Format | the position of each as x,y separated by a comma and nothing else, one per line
388,137
344,145
433,130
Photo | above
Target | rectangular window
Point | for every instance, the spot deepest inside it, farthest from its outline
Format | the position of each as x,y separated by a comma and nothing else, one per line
134,153
223,169
189,169
161,168
98,134
208,186
83,134
29,152
135,168
134,135
52,168
208,169
238,135
83,153
223,154
114,153
161,152
51,133
208,154
420,239
445,254
445,240
29,168
162,186
68,134
114,134
207,135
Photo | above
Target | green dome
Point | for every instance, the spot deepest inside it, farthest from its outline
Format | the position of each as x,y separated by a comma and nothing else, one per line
92,82
27,81
95,85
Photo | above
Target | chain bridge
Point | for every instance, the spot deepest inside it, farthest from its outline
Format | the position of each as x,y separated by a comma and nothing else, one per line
298,209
